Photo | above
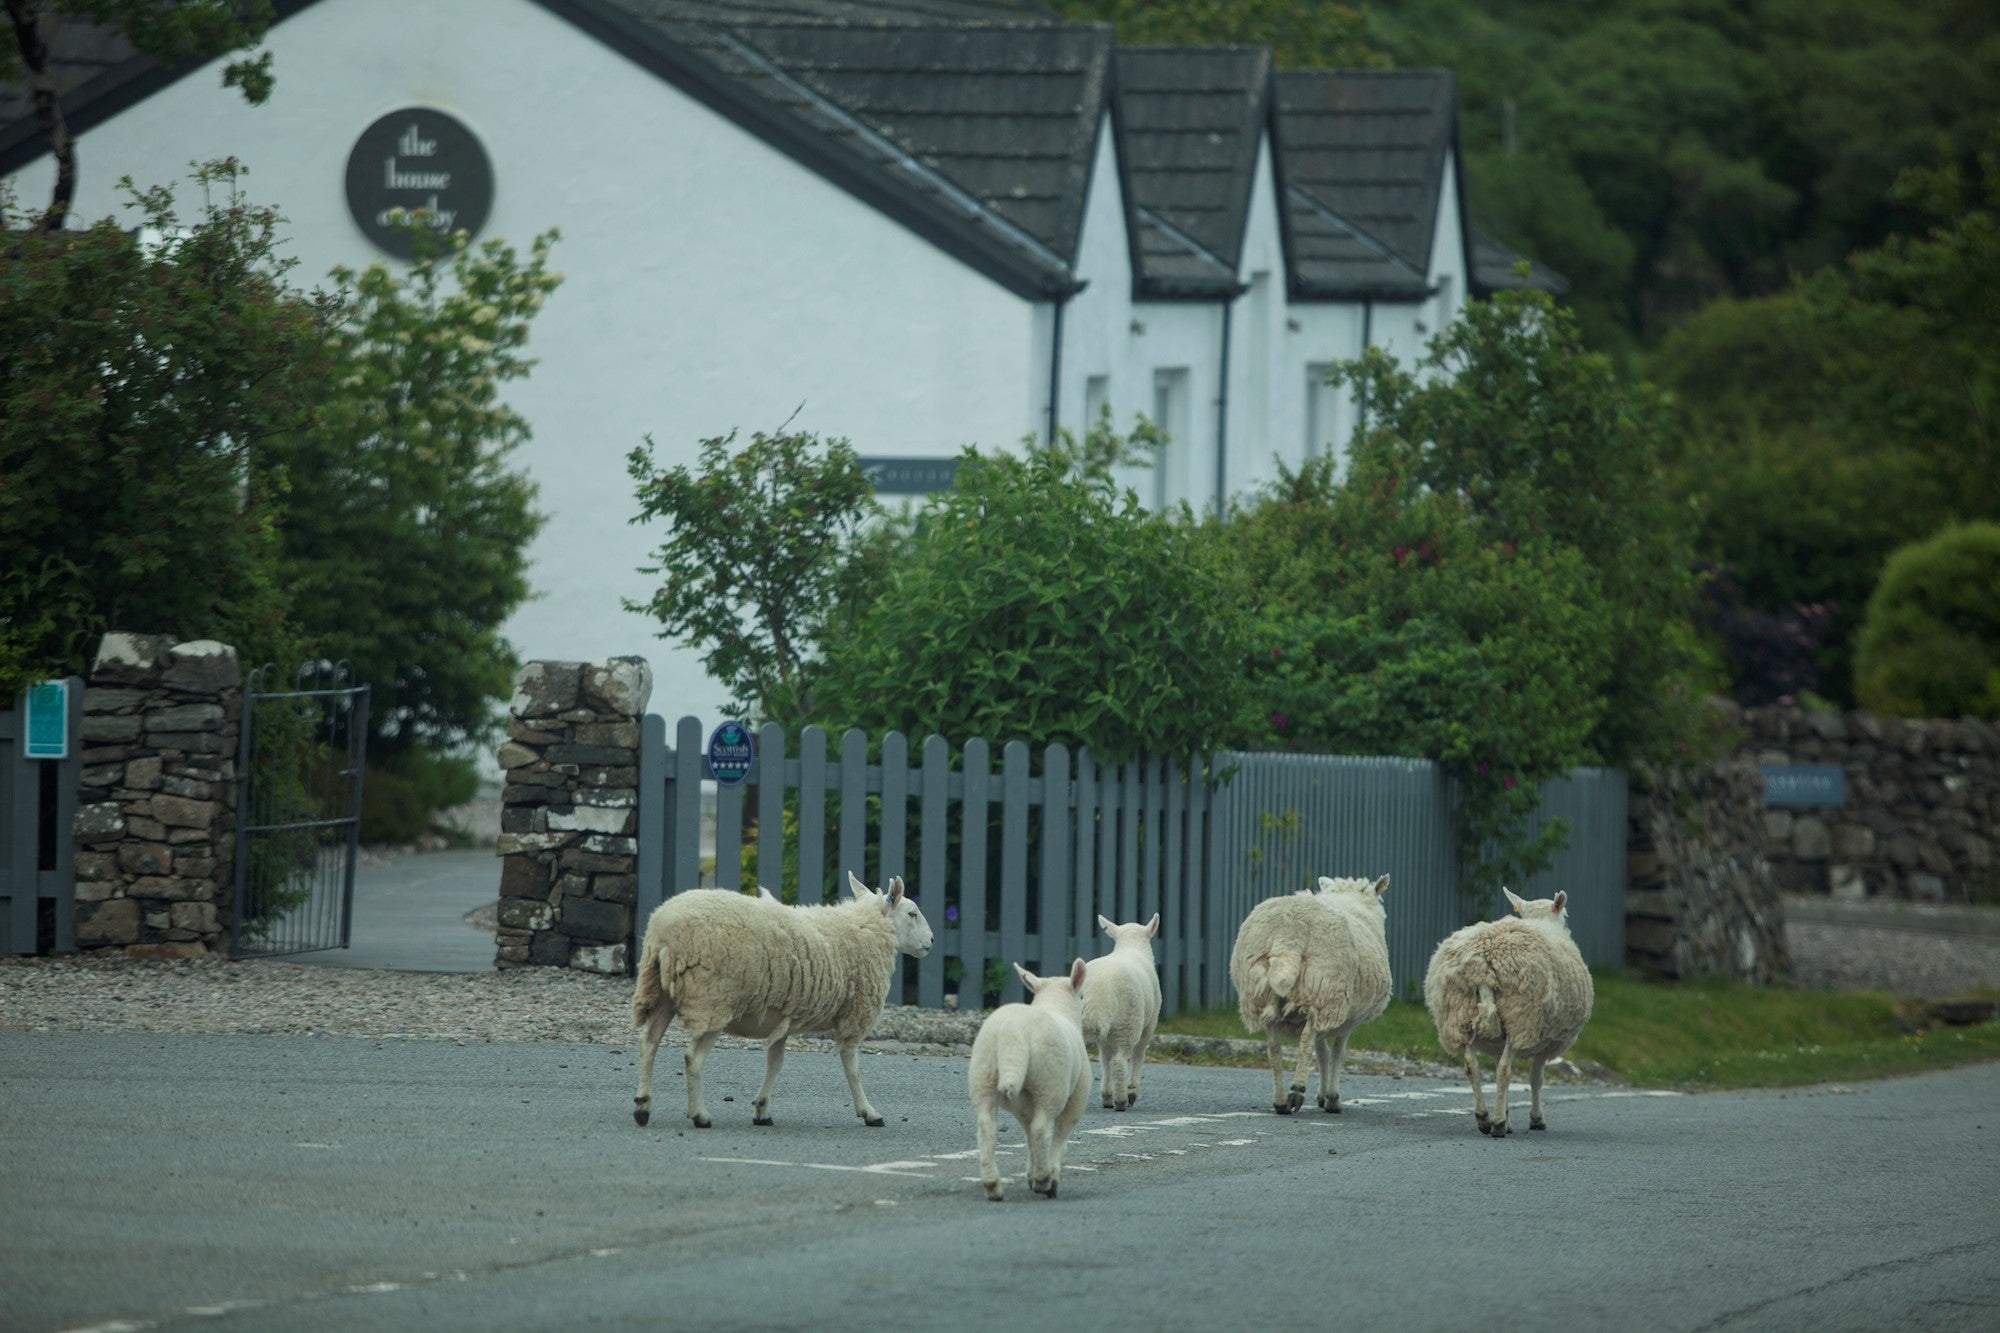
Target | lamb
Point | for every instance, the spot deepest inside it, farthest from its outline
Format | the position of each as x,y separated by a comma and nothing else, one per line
1029,1058
725,962
1313,966
1121,1008
1509,987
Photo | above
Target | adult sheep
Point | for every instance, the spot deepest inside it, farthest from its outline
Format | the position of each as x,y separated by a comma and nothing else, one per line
1517,986
1314,966
1121,1008
724,962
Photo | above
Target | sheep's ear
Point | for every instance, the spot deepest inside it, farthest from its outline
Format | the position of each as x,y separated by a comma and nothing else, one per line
1325,883
767,895
1514,898
895,889
1153,926
1561,898
859,889
1381,886
1076,975
1106,925
1028,979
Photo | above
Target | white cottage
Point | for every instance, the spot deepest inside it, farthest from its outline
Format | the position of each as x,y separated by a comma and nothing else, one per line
916,224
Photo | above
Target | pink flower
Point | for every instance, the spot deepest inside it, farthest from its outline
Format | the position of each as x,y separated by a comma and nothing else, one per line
1508,781
1279,721
1484,768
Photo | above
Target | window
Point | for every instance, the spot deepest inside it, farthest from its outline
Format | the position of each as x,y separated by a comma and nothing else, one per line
1326,417
1170,414
1096,397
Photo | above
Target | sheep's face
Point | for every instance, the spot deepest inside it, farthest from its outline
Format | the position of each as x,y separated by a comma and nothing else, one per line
1540,909
913,933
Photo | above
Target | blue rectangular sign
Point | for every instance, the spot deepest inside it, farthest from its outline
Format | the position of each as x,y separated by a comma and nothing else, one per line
909,476
48,720
1804,784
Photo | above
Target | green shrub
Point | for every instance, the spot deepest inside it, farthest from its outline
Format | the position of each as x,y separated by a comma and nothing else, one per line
1032,603
402,795
1930,645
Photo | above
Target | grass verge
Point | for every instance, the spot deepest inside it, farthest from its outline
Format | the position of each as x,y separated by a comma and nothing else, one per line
1709,1034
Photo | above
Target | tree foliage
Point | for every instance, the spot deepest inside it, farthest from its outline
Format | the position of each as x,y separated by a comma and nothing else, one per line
146,379
1496,584
1034,602
403,530
1930,645
762,541
1302,34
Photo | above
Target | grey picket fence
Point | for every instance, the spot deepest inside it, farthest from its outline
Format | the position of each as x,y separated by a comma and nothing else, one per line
1014,853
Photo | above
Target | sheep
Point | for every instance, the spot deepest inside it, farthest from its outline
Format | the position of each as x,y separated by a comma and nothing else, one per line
1121,1008
726,962
1314,966
1029,1058
1509,987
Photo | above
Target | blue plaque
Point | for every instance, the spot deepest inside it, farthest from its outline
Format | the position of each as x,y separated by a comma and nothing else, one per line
1804,784
909,476
730,753
48,720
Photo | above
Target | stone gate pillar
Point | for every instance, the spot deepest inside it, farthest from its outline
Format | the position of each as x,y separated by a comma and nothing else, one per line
156,819
569,814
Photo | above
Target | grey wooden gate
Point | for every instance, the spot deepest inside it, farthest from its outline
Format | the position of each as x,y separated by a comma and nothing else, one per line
298,828
37,852
1014,861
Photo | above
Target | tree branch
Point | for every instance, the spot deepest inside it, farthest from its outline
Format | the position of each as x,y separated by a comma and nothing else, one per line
42,84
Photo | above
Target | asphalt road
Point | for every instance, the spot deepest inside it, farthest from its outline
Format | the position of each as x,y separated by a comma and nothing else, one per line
293,1183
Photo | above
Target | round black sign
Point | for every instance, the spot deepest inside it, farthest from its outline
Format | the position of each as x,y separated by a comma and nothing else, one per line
418,158
730,753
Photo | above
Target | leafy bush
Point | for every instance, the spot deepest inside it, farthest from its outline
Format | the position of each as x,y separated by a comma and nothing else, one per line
403,531
146,379
1033,603
1771,658
401,796
1930,644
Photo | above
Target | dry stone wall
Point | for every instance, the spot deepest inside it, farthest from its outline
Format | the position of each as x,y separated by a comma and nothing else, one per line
569,814
1700,899
1922,817
156,818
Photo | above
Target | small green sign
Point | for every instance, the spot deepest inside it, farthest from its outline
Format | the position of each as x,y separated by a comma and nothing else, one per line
48,720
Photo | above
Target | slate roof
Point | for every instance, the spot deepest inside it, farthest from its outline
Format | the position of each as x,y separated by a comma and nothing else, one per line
1361,155
1189,120
1493,269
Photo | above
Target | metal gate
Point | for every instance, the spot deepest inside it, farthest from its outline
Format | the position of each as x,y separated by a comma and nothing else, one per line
298,828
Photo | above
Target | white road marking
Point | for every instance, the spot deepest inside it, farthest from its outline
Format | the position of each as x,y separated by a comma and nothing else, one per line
817,1166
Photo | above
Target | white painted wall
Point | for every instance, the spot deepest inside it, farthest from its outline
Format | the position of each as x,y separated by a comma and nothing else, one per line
711,282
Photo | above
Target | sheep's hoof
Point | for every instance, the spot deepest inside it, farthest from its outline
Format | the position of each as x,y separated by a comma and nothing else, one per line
1297,1097
1051,1190
1120,1106
874,1121
1331,1106
1132,1097
641,1114
1499,1129
762,1120
1282,1108
1538,1124
995,1192
1105,1103
700,1121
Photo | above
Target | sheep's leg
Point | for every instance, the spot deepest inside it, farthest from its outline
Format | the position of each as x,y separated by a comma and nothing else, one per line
1498,1129
697,1055
1308,1043
774,1060
1277,1053
1041,1130
1139,1062
989,1140
1332,1055
850,1064
1104,1072
1116,1076
1478,1092
649,1047
1535,1120
1319,1055
1079,1097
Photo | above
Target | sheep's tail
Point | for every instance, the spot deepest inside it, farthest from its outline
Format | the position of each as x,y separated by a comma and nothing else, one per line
1011,1065
1487,1025
647,992
1280,976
